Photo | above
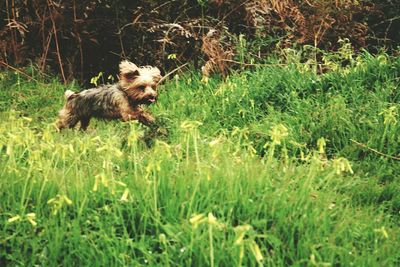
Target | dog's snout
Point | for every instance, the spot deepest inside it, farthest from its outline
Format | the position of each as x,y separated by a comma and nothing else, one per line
151,92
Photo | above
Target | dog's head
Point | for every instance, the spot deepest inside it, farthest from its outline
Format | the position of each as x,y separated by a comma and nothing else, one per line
140,84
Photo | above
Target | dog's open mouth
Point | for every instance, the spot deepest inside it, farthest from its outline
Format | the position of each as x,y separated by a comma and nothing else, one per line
151,100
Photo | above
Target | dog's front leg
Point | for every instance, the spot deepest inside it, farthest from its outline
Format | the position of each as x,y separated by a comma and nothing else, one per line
138,114
146,118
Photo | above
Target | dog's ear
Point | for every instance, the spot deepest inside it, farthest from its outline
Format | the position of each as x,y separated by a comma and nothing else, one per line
128,70
131,75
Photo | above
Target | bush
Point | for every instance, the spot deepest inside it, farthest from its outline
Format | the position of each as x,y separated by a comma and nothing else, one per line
78,39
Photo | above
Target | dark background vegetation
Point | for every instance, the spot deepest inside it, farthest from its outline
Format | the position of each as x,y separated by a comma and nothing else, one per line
78,39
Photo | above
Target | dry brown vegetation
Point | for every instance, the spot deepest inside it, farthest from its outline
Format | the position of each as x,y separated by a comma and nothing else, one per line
80,38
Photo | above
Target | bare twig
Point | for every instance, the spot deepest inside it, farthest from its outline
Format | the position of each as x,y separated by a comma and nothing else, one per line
171,72
232,11
42,62
79,40
162,5
135,21
374,150
18,70
253,64
56,41
385,21
13,36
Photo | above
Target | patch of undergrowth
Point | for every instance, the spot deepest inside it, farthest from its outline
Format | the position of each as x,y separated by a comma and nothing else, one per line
277,165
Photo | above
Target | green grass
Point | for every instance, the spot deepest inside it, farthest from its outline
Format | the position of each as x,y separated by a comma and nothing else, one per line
237,175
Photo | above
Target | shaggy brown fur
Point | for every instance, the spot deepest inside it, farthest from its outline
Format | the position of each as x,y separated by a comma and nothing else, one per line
137,86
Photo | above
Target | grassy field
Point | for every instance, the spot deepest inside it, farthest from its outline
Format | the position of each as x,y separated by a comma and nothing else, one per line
275,166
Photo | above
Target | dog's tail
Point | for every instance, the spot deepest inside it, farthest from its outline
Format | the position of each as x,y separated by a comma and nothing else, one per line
69,94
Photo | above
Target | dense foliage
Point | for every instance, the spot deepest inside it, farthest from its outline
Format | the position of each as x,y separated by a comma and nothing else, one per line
78,39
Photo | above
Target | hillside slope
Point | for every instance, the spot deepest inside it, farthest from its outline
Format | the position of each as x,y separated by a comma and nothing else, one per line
274,166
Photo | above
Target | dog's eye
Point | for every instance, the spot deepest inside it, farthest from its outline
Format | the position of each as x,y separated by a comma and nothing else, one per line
141,88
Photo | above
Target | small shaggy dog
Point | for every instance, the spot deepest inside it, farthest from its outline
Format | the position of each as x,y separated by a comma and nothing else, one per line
137,86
